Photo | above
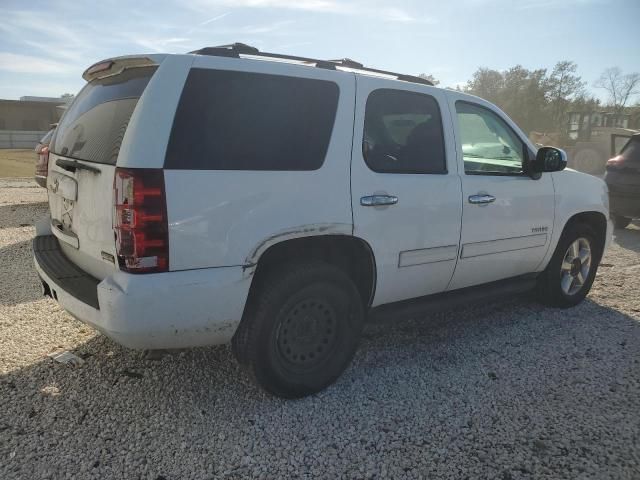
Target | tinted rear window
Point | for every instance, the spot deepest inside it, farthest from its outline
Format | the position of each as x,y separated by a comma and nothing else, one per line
251,121
93,127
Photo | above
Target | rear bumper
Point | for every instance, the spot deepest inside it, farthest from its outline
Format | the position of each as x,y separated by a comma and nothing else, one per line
150,311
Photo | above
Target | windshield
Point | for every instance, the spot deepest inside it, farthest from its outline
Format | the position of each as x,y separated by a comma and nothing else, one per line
94,126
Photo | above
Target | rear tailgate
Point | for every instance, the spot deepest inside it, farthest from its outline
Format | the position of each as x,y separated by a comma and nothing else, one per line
83,160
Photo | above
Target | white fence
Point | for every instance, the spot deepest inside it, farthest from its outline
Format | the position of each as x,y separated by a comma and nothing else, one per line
20,139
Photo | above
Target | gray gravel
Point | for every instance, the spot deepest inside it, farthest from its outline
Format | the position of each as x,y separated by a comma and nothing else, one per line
505,391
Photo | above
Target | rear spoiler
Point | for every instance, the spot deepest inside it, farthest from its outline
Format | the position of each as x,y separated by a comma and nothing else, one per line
114,66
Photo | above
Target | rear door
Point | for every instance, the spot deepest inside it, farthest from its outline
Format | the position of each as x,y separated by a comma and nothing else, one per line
82,163
406,195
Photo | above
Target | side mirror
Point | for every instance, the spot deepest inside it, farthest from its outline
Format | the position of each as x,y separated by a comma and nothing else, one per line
549,159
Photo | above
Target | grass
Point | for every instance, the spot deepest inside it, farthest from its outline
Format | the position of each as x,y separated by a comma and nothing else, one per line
17,163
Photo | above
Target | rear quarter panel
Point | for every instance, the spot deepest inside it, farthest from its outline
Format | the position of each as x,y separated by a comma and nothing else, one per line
228,218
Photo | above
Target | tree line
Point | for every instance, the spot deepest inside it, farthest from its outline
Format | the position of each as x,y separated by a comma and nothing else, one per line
540,99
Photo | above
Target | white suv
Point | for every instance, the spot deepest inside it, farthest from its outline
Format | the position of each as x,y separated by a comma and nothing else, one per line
273,201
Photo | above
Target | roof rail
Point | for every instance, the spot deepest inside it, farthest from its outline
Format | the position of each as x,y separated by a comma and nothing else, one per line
234,50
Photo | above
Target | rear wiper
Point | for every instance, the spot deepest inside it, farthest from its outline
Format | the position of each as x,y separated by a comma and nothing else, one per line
73,165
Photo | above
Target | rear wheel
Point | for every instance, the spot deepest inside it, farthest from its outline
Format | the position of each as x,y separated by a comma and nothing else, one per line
620,222
301,330
570,273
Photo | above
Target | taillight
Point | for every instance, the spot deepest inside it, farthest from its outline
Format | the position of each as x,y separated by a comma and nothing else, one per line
615,161
140,220
43,161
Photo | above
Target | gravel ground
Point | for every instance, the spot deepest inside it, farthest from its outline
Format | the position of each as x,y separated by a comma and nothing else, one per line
504,391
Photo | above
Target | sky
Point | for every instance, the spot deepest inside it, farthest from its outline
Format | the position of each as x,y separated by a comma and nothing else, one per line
46,45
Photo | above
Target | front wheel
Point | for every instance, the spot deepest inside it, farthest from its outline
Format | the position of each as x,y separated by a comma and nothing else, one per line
570,273
301,330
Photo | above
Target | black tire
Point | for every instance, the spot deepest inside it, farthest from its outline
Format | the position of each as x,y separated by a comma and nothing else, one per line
549,288
620,222
301,329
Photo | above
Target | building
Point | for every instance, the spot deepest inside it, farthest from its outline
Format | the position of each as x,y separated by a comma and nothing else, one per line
35,116
23,122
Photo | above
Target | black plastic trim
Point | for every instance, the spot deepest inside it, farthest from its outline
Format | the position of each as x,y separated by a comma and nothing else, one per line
234,50
480,294
66,275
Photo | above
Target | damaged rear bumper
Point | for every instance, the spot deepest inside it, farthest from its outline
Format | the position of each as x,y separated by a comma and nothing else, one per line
150,311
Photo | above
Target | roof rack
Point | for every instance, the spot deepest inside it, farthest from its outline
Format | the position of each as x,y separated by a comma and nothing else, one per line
234,50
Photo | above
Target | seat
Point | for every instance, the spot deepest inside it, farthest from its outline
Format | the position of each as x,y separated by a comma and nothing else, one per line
424,151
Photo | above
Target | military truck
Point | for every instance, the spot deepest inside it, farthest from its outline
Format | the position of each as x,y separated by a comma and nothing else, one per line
591,138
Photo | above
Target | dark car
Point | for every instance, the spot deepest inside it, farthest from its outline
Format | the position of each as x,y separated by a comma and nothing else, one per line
42,162
623,179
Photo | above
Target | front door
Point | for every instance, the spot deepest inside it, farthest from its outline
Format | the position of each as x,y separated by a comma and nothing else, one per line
406,194
507,216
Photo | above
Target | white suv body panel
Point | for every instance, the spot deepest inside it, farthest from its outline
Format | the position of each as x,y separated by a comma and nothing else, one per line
145,141
163,310
576,193
415,242
222,222
225,218
510,236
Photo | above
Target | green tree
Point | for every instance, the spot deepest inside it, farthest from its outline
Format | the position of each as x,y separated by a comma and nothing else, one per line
521,93
486,83
565,86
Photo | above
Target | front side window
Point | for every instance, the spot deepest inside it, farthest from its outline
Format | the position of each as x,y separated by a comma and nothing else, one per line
229,120
403,133
489,146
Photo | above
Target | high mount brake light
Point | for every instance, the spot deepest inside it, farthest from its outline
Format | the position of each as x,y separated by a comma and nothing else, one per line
140,220
98,67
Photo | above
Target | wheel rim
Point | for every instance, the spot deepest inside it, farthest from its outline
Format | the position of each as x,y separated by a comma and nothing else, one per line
576,266
308,333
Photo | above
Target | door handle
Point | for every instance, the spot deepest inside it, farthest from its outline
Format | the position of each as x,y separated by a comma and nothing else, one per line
378,200
481,199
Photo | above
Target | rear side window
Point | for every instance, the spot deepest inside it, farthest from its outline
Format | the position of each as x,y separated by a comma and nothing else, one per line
403,133
93,127
251,121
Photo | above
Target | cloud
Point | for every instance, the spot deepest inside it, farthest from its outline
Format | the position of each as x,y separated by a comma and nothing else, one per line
534,4
360,8
217,17
16,63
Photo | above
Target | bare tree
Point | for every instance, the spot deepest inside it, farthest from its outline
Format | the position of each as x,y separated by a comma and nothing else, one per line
621,87
429,77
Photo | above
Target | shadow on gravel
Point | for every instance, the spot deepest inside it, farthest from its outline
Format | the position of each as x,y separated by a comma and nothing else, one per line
18,284
628,238
512,390
22,214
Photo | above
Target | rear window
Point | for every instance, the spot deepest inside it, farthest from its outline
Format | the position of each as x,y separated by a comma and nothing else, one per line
251,121
93,127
